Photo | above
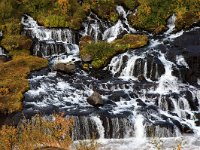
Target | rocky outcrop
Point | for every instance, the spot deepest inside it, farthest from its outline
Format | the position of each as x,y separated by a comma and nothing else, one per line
68,67
95,99
100,53
187,45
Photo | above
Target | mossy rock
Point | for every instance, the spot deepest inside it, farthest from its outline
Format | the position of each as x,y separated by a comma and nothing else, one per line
101,52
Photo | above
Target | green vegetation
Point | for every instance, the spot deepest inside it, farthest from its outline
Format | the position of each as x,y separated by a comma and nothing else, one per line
152,14
187,12
100,53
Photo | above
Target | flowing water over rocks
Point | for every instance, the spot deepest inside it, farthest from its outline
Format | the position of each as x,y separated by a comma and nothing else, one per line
149,92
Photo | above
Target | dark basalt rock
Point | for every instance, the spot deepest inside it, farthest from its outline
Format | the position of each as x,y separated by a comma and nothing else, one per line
117,95
193,103
141,78
197,122
95,100
189,44
155,68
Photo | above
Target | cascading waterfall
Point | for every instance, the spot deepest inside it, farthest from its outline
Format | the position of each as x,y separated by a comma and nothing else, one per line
146,97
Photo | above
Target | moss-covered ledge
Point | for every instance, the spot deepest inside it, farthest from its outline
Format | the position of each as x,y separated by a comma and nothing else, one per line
13,79
98,54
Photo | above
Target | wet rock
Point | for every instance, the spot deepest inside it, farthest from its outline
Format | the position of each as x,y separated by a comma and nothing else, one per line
141,78
101,74
188,45
68,67
95,99
192,102
186,129
117,95
197,115
3,59
197,123
155,68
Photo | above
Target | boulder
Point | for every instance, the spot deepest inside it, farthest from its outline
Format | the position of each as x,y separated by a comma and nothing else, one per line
95,99
68,67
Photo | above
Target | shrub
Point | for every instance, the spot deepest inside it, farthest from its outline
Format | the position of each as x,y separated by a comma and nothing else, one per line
36,133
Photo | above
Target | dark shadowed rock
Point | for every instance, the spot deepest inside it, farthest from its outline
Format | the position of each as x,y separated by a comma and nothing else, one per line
68,67
3,59
141,78
95,99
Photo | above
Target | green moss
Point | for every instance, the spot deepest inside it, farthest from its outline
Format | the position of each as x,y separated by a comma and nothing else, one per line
16,42
54,21
13,82
106,9
101,52
129,4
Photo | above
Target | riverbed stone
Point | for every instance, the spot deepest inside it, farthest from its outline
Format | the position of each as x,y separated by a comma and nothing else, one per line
68,67
95,99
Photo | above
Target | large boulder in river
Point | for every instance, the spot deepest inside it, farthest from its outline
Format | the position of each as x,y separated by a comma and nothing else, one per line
68,67
95,100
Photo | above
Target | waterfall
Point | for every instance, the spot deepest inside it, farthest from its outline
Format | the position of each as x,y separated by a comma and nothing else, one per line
139,127
48,42
171,24
1,51
167,82
122,26
146,91
181,61
100,127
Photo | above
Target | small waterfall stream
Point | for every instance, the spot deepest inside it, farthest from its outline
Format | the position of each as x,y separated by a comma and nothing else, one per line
151,92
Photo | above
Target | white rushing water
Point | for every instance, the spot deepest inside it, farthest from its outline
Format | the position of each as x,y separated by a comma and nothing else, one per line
121,26
143,95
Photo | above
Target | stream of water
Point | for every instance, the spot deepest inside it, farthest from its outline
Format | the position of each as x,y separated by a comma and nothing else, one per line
164,104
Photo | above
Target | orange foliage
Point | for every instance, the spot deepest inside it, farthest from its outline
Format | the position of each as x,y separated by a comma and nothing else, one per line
36,133
64,4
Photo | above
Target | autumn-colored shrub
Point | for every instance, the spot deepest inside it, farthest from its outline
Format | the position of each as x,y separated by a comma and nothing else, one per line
37,132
